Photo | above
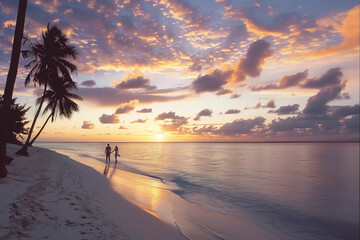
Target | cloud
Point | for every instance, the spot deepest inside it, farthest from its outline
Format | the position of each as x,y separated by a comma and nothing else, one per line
296,32
252,63
127,23
145,110
337,122
232,111
331,77
352,125
349,30
334,120
88,83
343,96
210,82
127,107
112,97
109,119
270,103
204,129
183,11
174,125
248,66
292,124
168,115
196,66
139,121
223,92
124,109
112,35
175,121
87,125
234,96
241,126
284,82
344,111
284,110
263,19
168,90
204,112
318,104
135,83
292,80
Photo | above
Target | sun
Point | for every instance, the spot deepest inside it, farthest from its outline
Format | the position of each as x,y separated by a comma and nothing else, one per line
159,136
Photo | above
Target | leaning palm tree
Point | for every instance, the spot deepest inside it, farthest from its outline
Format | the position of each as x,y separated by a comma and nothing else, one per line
10,82
48,66
59,103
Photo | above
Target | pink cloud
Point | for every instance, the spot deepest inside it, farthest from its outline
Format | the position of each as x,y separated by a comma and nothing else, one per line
87,125
109,119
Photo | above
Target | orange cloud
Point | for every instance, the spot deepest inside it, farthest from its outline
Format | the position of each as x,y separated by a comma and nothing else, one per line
127,107
349,31
9,23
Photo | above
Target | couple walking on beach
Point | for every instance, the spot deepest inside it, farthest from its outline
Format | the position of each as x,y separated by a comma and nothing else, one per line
108,152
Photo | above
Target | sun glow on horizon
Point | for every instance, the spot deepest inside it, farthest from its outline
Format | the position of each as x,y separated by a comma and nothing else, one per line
159,137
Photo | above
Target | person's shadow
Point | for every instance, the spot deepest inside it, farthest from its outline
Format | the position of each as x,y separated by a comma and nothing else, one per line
106,170
113,171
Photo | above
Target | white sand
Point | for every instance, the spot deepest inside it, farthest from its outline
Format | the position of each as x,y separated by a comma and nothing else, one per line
50,196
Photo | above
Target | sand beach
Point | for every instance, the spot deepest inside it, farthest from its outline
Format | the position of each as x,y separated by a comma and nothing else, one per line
50,196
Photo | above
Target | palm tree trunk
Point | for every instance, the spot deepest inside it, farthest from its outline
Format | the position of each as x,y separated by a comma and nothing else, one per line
32,141
24,150
10,82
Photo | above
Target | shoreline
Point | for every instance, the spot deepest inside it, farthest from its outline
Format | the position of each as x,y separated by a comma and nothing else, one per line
83,202
50,195
161,199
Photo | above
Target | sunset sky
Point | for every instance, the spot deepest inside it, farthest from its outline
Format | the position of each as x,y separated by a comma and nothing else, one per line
204,70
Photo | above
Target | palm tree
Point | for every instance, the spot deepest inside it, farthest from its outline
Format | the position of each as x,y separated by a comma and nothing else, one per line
10,82
59,103
48,66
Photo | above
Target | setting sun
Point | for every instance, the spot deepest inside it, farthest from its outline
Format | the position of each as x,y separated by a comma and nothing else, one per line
159,137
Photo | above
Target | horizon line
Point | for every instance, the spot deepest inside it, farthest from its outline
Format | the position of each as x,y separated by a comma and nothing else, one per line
330,141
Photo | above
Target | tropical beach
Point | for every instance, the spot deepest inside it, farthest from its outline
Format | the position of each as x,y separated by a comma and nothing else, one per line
79,196
178,119
61,198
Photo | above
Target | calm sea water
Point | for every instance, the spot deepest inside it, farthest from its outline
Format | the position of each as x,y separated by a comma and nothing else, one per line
289,190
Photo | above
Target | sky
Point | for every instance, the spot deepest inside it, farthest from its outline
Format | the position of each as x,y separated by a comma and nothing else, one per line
204,70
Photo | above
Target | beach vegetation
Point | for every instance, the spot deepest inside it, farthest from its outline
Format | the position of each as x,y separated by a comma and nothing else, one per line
49,65
17,121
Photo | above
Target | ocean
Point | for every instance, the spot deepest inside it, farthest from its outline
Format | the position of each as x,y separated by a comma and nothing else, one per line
241,190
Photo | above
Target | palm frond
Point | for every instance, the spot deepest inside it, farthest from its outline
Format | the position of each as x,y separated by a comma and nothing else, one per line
68,65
